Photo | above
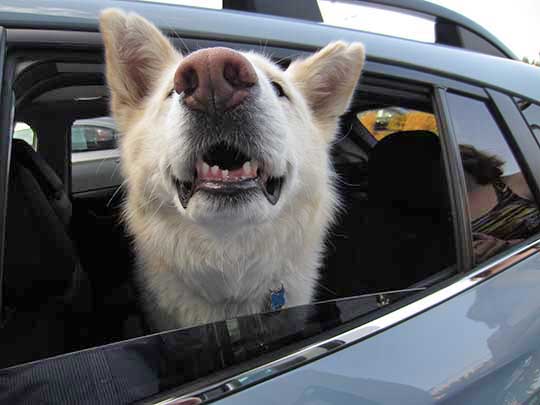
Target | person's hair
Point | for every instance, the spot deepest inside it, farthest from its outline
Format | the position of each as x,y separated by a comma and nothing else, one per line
484,168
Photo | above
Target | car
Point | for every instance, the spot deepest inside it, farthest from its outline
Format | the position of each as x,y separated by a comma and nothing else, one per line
95,157
407,312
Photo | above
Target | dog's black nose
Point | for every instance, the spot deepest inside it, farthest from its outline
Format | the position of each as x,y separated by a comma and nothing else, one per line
214,80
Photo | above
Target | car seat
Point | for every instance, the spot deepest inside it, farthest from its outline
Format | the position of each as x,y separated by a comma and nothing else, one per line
410,233
46,294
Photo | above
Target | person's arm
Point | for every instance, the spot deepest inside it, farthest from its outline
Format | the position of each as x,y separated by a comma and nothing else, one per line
485,246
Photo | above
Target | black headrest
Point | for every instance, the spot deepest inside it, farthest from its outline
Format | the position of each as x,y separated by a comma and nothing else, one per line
50,183
405,172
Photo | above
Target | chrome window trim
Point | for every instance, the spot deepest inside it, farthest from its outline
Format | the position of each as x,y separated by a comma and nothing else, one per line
318,350
95,155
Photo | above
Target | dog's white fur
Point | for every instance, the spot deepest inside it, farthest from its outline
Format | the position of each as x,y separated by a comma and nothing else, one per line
200,264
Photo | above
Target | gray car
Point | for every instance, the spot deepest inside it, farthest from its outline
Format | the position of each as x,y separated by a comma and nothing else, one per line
429,288
95,157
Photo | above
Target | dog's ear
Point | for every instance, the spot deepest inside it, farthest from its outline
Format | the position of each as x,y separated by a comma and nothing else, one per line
136,53
327,79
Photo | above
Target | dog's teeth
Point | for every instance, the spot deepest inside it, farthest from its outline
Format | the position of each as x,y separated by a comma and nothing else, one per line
214,170
205,168
224,174
254,167
247,168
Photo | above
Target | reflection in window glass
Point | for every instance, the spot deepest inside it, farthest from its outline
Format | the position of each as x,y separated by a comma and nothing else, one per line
501,205
385,121
93,134
474,42
362,17
346,14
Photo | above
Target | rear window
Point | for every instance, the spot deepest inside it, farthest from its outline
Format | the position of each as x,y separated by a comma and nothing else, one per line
93,135
385,121
24,132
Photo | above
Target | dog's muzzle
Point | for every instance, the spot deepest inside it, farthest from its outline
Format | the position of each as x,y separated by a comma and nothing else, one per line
214,84
226,171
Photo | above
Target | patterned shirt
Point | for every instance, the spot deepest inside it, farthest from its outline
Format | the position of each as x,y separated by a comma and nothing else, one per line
513,217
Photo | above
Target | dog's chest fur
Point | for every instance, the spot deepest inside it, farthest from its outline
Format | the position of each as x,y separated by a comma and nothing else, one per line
192,278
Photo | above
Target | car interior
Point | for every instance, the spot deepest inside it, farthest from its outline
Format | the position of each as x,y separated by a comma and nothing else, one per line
69,261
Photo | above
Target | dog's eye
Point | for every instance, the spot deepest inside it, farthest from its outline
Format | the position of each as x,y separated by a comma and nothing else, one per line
278,89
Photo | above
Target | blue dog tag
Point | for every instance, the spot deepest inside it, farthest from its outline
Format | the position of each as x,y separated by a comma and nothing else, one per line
277,298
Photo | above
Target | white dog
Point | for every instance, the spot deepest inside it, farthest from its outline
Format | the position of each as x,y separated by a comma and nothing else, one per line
226,159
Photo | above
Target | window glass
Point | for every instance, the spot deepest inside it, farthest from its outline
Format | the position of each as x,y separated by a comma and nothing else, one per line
476,43
385,121
346,14
95,158
501,205
93,134
394,22
24,132
396,212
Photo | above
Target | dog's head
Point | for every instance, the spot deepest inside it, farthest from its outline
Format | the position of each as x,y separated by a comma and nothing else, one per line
222,136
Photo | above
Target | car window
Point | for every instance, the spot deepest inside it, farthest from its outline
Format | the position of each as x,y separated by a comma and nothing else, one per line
474,42
26,133
93,135
385,121
396,211
95,159
502,209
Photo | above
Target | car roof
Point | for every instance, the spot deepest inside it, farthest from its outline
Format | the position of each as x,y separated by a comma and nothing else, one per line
235,26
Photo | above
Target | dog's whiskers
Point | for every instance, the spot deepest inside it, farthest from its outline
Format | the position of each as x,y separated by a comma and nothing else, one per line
326,288
177,36
114,171
100,164
116,192
288,57
343,137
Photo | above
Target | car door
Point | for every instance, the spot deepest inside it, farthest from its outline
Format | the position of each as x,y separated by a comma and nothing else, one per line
473,341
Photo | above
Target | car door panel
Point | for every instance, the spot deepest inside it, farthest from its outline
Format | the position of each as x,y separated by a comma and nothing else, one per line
95,170
482,346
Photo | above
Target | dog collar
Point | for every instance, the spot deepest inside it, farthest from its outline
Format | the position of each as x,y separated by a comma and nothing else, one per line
277,298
